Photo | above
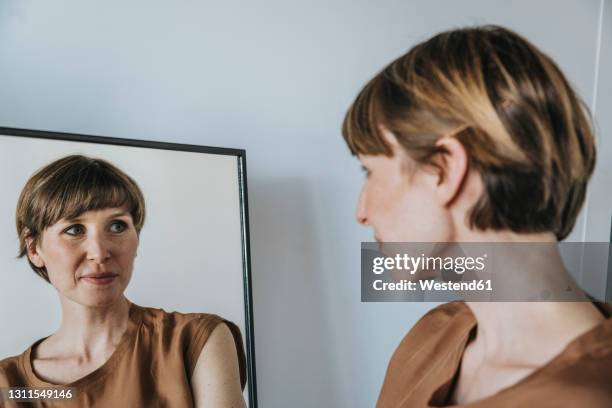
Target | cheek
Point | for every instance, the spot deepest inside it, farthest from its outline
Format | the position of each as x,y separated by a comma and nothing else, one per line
422,219
62,267
381,197
127,248
62,259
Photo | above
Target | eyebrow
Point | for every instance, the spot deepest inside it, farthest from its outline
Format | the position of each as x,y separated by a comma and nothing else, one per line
117,214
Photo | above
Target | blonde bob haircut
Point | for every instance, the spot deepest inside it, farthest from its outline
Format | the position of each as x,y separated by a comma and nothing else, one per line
524,129
69,187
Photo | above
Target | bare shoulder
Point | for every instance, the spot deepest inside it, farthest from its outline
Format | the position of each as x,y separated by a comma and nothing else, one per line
220,344
216,378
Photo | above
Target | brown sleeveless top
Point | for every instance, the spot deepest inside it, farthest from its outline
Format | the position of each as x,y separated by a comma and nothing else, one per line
151,367
425,366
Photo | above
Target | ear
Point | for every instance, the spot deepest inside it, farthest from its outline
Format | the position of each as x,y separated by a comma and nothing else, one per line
454,165
33,253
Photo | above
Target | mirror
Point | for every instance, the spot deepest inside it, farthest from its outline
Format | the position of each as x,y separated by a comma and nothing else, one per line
193,253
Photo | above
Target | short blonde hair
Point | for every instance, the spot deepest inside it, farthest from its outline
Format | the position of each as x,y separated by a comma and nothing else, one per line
524,128
69,187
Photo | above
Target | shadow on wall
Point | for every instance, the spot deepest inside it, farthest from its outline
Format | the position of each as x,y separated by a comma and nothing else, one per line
293,356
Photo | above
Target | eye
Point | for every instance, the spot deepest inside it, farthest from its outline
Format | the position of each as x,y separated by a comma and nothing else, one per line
74,230
366,171
118,226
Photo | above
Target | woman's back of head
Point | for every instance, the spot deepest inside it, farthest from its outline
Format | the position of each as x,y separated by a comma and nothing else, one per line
522,125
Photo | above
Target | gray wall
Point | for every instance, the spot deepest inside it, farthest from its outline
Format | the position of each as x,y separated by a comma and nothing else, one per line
276,78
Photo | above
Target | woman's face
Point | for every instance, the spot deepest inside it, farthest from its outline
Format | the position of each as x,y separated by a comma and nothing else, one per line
400,201
89,259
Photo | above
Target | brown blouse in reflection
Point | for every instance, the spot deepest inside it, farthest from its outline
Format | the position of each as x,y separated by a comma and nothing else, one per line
151,366
424,367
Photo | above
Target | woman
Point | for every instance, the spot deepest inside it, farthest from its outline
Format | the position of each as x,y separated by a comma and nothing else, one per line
78,222
476,136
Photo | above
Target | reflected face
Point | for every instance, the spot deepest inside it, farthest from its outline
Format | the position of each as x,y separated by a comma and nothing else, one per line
398,200
89,259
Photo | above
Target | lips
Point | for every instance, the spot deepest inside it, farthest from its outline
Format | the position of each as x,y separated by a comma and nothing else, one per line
102,278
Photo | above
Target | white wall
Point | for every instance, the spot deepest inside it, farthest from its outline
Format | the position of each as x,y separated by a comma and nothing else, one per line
274,77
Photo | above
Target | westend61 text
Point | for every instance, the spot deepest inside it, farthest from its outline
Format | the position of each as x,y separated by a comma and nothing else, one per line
478,285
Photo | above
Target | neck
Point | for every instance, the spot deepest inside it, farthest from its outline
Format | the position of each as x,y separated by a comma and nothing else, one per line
92,330
529,334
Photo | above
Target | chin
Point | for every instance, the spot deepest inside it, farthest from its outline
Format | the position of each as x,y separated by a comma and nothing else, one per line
98,299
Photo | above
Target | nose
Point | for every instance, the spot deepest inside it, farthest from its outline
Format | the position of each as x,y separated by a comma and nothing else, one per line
361,213
97,248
